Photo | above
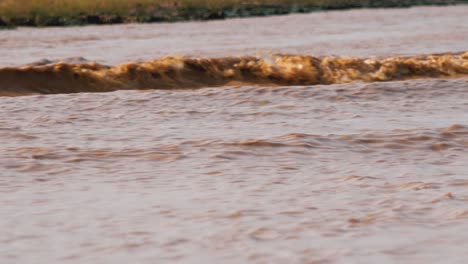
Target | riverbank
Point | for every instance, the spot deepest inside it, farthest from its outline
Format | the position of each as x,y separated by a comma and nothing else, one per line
41,13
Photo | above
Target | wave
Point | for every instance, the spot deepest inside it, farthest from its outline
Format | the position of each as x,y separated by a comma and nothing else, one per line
187,73
453,137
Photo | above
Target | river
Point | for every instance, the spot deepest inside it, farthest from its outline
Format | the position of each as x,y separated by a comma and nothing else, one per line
241,171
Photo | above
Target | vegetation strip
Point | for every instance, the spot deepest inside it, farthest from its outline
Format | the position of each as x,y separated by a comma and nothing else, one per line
81,12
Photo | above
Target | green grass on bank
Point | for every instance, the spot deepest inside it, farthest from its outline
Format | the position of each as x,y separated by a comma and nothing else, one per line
72,12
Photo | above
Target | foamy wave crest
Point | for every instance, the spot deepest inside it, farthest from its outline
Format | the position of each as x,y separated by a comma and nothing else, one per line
187,73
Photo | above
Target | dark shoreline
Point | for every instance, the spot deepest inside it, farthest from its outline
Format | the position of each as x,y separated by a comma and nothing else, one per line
179,14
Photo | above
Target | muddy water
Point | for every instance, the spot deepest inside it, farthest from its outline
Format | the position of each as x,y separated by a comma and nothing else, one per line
356,33
364,172
184,73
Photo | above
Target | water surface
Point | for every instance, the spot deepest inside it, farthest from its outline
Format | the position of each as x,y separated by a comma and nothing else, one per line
362,172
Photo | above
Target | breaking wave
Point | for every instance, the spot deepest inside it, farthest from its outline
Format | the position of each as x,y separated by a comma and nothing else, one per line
188,73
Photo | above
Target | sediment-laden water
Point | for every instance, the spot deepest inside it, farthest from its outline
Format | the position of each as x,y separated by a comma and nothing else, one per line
179,73
330,157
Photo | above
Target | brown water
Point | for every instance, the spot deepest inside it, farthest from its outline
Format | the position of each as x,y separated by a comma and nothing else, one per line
253,170
179,73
